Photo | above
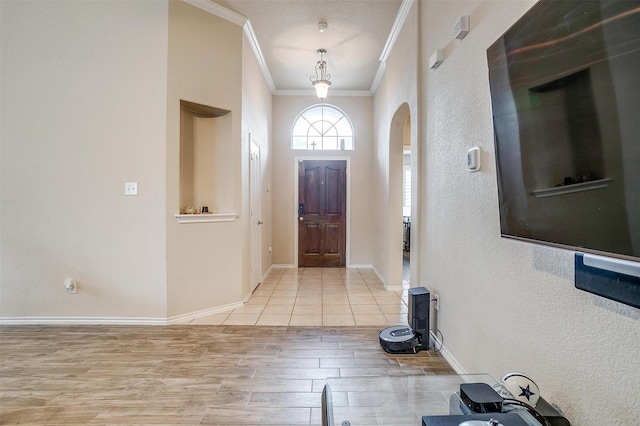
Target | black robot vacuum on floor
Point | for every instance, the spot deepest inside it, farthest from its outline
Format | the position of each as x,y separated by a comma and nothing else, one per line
402,339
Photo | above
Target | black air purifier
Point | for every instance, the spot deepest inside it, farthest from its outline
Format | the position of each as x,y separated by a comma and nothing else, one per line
400,339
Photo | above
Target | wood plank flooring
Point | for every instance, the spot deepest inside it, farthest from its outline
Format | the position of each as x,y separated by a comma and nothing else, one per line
186,374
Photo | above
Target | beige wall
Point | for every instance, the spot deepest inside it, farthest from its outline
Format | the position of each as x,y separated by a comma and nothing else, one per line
397,93
256,121
361,193
204,260
81,115
506,305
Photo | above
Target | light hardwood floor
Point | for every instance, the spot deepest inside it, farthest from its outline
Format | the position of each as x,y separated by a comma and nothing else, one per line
186,374
236,368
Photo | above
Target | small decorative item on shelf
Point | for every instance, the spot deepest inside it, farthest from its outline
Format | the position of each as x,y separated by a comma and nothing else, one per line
204,209
188,210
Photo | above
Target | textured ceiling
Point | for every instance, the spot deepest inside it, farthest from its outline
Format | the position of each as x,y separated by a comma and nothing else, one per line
287,32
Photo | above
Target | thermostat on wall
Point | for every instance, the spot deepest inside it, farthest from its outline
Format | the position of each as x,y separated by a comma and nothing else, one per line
473,159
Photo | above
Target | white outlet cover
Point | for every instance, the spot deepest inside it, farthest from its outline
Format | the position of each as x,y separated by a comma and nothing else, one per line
131,188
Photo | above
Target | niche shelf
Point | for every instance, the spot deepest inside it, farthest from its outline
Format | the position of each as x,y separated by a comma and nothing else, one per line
206,217
205,163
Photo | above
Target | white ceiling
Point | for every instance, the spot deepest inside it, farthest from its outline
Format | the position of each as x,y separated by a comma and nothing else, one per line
287,34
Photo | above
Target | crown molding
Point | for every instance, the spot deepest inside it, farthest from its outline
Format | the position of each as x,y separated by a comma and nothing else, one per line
255,46
311,92
403,12
220,11
401,17
378,78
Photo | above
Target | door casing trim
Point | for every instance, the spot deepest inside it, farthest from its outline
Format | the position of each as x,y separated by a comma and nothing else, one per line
347,247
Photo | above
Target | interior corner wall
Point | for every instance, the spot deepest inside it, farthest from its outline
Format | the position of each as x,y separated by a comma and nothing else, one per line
204,260
256,121
361,193
83,111
397,88
507,305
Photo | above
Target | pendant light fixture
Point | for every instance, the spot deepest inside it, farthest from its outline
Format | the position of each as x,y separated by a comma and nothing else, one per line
321,80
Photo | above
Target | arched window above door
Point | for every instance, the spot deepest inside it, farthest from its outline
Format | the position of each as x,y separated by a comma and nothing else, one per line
322,127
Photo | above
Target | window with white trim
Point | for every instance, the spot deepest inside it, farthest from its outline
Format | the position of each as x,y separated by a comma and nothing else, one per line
322,127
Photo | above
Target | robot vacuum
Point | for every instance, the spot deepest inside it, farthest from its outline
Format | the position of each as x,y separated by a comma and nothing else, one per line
402,339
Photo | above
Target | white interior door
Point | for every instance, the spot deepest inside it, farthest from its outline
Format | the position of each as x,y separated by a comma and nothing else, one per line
256,214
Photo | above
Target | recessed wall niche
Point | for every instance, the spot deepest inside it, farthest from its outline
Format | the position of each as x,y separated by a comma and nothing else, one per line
205,158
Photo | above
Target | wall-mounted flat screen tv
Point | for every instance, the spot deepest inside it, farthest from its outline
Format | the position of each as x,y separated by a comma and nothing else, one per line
565,95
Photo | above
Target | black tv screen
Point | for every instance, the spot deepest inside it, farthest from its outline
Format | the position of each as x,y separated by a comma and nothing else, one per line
565,95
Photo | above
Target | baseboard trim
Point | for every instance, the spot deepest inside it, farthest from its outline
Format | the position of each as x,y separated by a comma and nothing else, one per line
176,319
266,274
385,283
81,321
387,286
188,317
359,266
351,266
446,354
393,287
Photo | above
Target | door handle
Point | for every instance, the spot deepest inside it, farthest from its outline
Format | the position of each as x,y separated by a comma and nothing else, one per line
301,218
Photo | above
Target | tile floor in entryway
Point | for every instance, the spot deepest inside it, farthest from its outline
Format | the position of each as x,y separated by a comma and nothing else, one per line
318,297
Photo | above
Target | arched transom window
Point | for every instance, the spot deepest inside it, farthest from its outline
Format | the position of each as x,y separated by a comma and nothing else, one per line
322,127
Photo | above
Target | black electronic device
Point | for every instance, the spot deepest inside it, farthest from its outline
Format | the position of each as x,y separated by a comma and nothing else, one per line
402,339
510,419
480,398
565,132
566,129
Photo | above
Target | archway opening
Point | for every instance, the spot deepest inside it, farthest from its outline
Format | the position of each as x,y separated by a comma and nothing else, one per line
399,219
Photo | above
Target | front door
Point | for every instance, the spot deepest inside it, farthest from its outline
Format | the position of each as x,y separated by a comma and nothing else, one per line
322,198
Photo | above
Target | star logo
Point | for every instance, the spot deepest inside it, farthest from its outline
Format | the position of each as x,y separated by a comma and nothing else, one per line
526,392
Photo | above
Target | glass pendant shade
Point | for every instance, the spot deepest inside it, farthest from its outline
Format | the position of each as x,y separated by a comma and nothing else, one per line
321,80
322,88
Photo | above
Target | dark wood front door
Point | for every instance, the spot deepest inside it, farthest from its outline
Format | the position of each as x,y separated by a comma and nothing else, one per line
322,207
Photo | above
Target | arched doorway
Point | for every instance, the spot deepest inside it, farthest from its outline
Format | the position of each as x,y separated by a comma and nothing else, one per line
399,218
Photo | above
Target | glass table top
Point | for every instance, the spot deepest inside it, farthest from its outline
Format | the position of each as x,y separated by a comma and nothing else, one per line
401,400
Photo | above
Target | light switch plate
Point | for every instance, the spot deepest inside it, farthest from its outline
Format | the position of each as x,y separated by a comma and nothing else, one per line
473,159
131,188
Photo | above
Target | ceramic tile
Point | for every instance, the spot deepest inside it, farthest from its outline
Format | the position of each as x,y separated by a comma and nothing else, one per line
361,319
366,309
328,309
283,300
241,319
274,319
215,319
257,300
307,309
249,309
272,309
335,300
307,300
